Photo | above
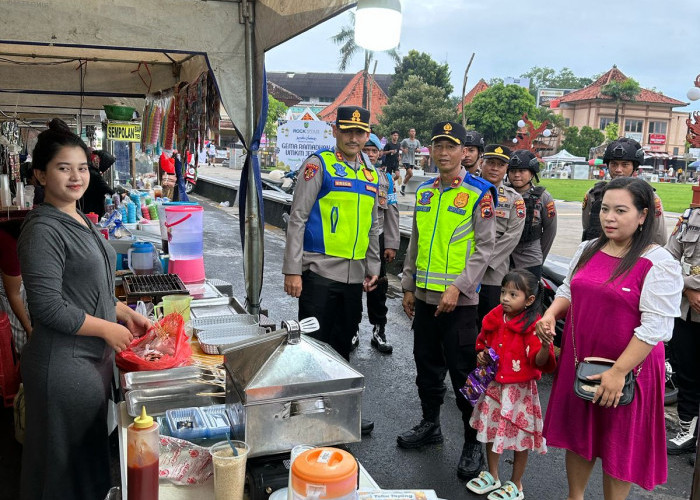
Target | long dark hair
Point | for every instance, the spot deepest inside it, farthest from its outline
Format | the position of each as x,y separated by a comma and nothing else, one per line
642,197
52,140
526,282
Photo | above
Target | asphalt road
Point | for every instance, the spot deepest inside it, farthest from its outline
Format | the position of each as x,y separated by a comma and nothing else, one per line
390,397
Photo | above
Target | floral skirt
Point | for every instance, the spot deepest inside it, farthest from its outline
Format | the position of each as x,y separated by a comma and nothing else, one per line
510,417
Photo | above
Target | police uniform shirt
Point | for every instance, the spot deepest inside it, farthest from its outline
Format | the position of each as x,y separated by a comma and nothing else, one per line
510,220
684,245
533,253
296,260
660,237
388,213
475,265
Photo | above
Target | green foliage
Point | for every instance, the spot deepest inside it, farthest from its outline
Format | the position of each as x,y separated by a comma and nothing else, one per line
579,143
495,112
547,78
416,105
423,66
275,111
541,114
612,132
627,90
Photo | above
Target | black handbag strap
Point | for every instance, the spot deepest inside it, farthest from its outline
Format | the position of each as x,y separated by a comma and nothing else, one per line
573,340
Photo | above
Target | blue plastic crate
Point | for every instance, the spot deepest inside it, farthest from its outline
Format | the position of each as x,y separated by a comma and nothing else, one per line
218,424
186,423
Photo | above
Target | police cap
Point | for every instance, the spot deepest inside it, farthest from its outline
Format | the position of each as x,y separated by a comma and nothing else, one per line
449,130
350,117
497,151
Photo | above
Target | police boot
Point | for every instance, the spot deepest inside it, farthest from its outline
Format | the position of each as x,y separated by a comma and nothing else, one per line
684,442
366,426
355,342
427,432
379,340
471,462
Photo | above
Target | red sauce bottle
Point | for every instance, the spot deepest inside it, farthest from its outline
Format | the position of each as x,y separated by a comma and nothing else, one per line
142,458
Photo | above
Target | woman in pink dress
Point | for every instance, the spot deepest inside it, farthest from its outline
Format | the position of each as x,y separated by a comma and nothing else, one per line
620,297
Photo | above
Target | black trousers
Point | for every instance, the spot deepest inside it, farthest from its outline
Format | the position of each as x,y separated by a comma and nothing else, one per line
489,297
685,346
376,299
337,306
441,344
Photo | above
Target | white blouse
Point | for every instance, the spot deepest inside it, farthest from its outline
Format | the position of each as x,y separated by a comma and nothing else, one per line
660,300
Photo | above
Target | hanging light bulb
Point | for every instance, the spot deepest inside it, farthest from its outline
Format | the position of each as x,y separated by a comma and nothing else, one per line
547,132
521,123
694,93
378,24
515,140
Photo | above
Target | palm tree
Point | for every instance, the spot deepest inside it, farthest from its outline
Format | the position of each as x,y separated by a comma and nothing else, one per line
626,90
348,48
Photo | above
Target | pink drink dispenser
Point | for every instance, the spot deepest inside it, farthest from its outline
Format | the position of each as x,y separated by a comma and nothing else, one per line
184,225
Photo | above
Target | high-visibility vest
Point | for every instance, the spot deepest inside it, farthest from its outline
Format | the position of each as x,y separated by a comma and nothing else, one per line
446,229
341,217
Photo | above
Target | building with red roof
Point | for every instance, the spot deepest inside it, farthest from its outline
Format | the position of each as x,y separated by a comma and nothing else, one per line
351,95
469,96
649,118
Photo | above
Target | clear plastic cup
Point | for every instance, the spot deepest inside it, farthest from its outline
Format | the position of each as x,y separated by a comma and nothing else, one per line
229,470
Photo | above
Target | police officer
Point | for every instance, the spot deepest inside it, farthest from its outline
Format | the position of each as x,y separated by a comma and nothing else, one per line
451,244
684,245
389,239
332,249
540,213
473,149
623,157
510,220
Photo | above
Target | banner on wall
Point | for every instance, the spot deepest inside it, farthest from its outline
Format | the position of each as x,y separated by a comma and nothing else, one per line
297,139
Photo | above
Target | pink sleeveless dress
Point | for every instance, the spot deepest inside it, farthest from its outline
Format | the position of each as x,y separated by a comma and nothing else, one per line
630,440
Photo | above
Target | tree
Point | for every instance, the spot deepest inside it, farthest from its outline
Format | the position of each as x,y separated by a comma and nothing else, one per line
612,131
545,77
275,111
416,105
626,90
495,111
579,143
348,48
421,65
541,114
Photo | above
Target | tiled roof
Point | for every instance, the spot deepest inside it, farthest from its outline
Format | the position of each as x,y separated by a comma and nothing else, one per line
321,85
593,91
351,95
469,97
282,94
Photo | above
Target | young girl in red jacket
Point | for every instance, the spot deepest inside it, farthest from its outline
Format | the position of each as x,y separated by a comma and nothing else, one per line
508,415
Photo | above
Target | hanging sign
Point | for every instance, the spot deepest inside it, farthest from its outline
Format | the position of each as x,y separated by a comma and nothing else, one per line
122,131
297,139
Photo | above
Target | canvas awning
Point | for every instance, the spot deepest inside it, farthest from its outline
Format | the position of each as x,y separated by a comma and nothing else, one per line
564,156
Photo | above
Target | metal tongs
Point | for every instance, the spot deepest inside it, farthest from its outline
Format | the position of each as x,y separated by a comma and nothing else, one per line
291,329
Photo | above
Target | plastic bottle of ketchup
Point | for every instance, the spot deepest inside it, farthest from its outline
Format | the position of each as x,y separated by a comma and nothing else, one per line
143,442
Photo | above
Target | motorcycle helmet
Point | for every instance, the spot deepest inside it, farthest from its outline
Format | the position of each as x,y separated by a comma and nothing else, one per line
524,159
474,139
626,150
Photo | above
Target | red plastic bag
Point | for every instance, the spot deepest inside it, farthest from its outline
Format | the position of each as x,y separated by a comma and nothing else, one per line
165,345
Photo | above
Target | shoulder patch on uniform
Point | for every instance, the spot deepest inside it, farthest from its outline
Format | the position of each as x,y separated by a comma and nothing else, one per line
520,209
551,209
486,206
310,171
657,205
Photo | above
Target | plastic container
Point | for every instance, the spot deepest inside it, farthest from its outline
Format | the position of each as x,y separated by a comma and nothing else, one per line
109,204
185,234
186,423
142,458
218,425
324,473
229,470
141,257
5,193
93,217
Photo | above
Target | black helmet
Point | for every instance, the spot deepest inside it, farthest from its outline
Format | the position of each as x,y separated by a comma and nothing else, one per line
524,159
626,150
475,140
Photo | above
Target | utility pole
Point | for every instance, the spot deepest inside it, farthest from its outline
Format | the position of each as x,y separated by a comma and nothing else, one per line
464,90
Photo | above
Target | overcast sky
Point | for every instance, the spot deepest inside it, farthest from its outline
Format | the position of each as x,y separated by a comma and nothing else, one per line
656,42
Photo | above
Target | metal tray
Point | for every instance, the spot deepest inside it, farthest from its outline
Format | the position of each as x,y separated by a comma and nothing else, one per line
223,321
210,340
205,294
231,306
158,400
160,378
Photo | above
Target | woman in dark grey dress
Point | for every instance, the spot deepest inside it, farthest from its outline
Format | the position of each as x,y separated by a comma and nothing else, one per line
67,268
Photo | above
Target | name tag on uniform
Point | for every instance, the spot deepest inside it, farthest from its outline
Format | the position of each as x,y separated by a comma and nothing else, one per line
371,188
420,208
346,184
502,214
459,211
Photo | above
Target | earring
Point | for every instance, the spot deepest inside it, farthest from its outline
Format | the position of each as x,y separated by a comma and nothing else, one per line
640,228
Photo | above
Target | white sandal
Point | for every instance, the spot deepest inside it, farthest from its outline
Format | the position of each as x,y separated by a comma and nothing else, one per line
483,484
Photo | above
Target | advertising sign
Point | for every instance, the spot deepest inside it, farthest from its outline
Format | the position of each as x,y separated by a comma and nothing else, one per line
657,138
637,136
124,131
544,96
298,139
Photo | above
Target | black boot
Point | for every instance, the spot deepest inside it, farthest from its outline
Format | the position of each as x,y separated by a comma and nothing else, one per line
366,427
379,340
426,432
471,462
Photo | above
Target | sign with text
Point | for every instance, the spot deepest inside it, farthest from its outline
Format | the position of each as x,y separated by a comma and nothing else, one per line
637,136
124,131
657,138
544,96
297,139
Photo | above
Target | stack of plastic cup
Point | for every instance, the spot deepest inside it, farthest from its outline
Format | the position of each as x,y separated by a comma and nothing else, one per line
5,194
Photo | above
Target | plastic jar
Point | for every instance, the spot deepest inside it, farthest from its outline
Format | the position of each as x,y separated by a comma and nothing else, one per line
324,473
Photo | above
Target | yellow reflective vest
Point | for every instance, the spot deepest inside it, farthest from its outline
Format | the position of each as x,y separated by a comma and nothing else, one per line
341,218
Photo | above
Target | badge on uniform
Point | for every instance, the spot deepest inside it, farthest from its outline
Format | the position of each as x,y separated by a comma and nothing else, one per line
456,183
520,209
461,200
585,202
486,207
369,175
551,210
657,203
425,198
502,200
340,170
310,171
501,190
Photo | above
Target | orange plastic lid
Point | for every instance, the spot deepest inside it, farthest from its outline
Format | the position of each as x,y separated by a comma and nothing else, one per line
330,467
